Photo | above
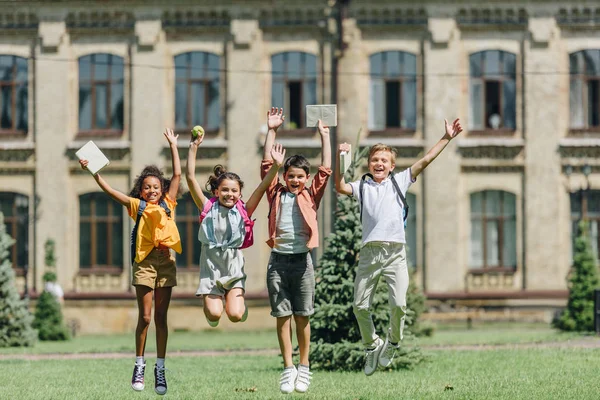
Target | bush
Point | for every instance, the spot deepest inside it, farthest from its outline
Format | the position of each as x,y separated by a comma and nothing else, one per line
48,319
579,314
15,318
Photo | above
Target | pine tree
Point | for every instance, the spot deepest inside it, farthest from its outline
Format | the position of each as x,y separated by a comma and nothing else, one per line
15,318
334,331
48,313
579,314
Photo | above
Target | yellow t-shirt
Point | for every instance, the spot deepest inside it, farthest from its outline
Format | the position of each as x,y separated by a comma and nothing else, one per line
155,228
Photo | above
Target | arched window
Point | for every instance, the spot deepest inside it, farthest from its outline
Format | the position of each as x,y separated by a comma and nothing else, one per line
411,231
586,205
197,91
13,94
101,78
100,232
294,85
584,67
393,91
188,225
15,208
493,90
493,230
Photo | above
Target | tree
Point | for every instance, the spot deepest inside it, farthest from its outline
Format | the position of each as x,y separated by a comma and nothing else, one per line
334,328
583,279
15,318
48,313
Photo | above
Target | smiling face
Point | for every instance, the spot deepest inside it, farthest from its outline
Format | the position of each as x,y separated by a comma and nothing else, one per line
228,192
151,189
295,179
381,164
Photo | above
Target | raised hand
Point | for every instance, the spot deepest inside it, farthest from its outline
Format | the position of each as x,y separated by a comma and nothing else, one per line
196,140
83,163
275,118
323,130
454,129
278,153
171,137
343,147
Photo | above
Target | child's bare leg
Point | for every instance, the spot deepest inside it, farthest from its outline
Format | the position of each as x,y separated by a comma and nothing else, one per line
162,299
284,335
213,307
303,335
235,305
144,301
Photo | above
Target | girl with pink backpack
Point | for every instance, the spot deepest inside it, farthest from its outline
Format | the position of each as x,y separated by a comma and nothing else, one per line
225,229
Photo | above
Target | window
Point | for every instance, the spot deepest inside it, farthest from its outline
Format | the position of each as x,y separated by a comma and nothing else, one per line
101,94
188,225
15,208
13,94
493,230
197,99
493,90
584,97
100,232
586,204
294,85
411,231
393,91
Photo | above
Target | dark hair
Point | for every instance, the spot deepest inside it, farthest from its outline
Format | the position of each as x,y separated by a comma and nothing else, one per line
219,175
150,170
297,161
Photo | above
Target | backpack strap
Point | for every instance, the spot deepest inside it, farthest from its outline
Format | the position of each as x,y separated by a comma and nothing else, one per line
134,232
163,204
207,206
361,186
396,188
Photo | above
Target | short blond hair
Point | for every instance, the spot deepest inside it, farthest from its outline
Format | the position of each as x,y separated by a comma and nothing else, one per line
382,147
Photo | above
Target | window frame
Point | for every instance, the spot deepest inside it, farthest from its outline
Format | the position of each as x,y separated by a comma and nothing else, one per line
94,220
109,83
14,84
582,76
500,219
583,198
13,224
501,77
207,81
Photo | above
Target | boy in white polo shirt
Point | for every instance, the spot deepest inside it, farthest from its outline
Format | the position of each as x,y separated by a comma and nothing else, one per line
383,251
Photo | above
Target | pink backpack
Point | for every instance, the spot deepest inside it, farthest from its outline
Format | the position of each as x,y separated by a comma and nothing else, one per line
248,223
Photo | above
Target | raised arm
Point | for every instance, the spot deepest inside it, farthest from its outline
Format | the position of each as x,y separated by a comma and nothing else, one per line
325,145
451,132
190,173
277,154
113,193
340,183
275,119
176,164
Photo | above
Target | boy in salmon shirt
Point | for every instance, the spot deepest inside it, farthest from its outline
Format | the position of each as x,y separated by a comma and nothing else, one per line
293,232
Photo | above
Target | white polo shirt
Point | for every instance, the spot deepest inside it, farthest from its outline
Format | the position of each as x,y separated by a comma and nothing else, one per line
383,212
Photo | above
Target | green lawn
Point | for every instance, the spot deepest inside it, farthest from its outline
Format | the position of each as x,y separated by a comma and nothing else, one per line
498,374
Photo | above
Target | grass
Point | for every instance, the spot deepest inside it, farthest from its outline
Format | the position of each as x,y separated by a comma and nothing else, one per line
498,374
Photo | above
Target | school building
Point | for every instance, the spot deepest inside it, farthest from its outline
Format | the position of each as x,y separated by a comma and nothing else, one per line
491,222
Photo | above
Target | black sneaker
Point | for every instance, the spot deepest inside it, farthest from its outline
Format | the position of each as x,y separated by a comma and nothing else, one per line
160,382
137,380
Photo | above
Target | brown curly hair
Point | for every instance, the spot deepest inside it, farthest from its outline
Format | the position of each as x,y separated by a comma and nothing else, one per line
150,170
219,175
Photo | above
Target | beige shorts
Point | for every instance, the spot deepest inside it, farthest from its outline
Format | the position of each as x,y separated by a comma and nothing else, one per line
156,270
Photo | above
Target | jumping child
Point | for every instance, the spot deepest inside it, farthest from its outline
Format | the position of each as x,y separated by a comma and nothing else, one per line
151,203
383,252
223,231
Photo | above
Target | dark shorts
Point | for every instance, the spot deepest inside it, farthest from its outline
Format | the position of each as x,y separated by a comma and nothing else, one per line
291,284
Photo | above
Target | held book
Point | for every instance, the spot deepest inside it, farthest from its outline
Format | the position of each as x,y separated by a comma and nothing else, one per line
345,160
324,112
96,158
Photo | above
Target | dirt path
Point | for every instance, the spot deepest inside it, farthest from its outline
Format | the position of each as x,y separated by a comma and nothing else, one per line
583,343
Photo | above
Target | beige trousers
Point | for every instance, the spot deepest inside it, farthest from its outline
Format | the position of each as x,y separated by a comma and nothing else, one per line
388,260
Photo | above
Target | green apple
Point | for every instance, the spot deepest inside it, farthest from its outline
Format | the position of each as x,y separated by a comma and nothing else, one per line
197,130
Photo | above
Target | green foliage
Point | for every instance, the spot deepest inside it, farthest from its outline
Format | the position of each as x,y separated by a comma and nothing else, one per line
48,319
579,314
334,331
15,318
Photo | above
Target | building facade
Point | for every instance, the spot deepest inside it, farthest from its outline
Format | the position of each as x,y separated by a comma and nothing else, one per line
492,220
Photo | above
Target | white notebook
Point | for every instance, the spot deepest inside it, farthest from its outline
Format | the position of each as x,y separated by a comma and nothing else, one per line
96,158
324,112
345,160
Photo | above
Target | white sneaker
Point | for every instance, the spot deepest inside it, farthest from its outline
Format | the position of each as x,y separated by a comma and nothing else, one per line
303,378
288,377
388,353
372,357
137,380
